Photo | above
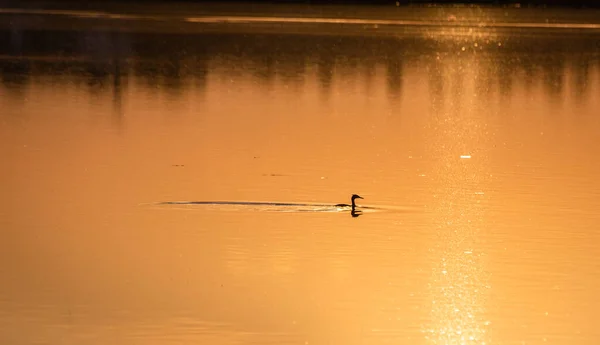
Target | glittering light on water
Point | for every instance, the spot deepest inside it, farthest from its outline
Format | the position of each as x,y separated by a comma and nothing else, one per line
458,284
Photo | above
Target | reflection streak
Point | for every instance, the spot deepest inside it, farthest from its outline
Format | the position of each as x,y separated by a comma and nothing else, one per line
458,281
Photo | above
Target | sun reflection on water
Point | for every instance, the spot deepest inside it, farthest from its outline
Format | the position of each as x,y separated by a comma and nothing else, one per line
459,283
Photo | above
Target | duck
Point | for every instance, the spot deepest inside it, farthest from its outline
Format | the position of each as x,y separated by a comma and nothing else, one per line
353,205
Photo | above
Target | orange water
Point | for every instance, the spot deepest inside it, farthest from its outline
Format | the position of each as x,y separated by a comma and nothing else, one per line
487,142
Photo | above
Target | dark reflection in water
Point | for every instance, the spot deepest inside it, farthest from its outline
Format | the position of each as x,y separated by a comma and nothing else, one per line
262,71
505,67
326,68
168,61
554,76
581,70
394,75
118,85
15,73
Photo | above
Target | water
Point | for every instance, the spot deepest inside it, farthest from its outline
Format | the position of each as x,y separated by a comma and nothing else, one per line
477,145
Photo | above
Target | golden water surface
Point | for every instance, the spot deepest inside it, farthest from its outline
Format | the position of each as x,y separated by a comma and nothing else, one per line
480,148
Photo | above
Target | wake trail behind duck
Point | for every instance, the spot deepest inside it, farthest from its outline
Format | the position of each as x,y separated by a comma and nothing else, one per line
280,206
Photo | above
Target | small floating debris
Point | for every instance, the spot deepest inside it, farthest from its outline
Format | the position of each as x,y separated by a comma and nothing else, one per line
465,157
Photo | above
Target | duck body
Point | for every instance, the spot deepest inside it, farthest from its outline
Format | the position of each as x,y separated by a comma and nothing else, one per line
353,205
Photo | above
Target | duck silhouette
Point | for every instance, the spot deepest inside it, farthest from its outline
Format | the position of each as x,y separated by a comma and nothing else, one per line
353,212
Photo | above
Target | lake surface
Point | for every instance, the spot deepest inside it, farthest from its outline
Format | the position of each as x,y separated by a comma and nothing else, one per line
476,147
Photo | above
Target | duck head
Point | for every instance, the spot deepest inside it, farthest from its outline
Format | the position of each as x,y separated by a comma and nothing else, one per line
356,196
